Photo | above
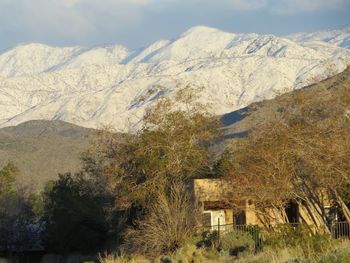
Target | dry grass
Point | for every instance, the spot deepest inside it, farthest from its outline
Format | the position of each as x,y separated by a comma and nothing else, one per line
170,220
114,258
186,254
190,254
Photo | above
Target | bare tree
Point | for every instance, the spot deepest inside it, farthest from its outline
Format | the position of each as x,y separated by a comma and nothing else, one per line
300,153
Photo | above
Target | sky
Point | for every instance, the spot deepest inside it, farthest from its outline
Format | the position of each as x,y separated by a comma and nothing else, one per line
138,23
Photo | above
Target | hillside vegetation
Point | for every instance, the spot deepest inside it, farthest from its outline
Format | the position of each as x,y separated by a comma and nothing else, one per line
42,149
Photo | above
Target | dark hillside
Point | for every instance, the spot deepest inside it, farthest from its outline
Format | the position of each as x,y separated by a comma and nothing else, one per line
42,149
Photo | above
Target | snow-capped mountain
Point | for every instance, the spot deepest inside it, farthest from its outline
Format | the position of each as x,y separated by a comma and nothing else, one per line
38,58
112,85
339,37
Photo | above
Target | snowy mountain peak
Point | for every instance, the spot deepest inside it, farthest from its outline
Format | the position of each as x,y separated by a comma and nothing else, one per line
32,58
339,37
197,42
112,85
100,55
143,55
201,30
31,47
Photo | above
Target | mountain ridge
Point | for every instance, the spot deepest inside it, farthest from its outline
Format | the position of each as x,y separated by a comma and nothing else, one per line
111,85
43,149
339,36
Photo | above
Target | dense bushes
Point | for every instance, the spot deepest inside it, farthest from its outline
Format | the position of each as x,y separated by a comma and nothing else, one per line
286,244
237,242
309,244
208,239
340,254
170,220
19,226
7,179
77,214
296,244
189,253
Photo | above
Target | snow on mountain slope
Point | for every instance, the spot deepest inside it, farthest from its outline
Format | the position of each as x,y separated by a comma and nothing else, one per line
198,42
111,85
32,59
106,55
36,58
145,54
339,37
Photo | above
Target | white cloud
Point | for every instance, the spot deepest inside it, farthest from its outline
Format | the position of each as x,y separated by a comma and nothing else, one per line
70,3
295,6
69,18
246,5
139,2
278,6
234,5
137,21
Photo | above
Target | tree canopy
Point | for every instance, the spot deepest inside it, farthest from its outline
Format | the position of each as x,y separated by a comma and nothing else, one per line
8,178
19,230
173,144
77,215
301,153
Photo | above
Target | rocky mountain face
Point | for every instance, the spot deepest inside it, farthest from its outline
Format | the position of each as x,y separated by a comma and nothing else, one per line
113,86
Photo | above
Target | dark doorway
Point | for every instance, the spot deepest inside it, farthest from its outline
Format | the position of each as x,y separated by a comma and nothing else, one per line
239,218
292,211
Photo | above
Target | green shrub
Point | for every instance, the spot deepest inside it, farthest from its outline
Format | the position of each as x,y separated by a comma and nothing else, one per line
340,254
192,240
256,234
209,239
116,258
270,255
78,214
312,245
236,242
190,254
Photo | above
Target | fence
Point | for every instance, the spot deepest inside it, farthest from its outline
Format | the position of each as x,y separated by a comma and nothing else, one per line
339,230
253,230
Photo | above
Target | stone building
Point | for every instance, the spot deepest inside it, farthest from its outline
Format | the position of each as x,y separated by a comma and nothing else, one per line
214,197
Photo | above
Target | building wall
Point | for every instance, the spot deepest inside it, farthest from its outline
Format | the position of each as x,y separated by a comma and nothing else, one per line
229,216
210,190
251,218
217,190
